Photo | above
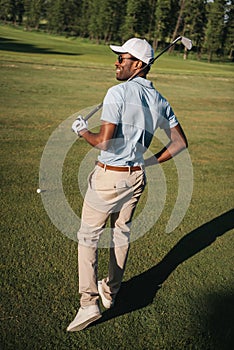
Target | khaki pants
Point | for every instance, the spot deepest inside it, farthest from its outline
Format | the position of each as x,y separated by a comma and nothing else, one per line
111,194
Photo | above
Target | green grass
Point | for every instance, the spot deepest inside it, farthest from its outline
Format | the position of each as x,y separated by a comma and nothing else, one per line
43,80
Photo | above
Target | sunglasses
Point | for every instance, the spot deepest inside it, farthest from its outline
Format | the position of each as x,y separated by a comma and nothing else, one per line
121,58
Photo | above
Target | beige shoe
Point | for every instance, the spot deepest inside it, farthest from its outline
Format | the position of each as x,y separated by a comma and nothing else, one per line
84,317
105,302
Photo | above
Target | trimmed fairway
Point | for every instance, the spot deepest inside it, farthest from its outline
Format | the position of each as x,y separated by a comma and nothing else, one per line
178,290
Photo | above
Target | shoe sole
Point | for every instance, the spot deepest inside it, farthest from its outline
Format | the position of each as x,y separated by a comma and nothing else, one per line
84,324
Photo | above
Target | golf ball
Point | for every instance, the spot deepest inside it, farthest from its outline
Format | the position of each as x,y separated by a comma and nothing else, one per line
38,190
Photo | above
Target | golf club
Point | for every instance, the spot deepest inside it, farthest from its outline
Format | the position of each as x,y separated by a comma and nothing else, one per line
185,41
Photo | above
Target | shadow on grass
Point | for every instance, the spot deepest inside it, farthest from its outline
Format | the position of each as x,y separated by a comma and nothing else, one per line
16,46
140,290
218,320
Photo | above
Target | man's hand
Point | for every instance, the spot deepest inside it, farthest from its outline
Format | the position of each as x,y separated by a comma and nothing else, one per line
79,124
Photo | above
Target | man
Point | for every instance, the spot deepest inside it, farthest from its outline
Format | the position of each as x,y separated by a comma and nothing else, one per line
132,111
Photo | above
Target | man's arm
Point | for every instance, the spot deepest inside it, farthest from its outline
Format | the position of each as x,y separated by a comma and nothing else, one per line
178,142
101,139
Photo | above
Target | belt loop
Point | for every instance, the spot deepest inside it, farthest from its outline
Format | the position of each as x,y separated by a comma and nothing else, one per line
129,170
105,167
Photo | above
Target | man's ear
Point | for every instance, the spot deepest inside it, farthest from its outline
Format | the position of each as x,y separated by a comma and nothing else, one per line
139,65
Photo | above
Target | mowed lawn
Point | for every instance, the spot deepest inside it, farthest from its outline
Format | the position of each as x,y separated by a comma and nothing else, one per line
178,290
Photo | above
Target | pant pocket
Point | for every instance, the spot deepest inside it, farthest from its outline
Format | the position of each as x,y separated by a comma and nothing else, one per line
126,184
90,177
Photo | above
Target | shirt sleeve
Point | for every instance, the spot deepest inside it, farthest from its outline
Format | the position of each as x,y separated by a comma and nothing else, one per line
112,106
168,119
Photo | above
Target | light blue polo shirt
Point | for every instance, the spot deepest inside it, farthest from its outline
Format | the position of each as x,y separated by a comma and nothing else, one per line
137,109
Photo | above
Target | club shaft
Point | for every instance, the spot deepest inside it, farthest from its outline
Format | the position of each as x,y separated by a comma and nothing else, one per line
91,113
167,48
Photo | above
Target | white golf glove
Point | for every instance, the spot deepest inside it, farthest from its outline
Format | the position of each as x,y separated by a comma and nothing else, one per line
79,124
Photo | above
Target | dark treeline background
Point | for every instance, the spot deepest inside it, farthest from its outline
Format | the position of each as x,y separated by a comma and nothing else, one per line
208,23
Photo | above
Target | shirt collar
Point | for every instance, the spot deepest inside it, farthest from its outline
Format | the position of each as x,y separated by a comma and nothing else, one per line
142,81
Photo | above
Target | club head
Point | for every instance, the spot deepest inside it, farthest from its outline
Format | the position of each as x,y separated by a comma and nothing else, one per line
187,43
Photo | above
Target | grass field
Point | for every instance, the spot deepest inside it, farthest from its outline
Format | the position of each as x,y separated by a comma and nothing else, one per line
44,80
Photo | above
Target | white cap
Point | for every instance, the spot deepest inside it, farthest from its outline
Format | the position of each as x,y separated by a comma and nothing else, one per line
139,48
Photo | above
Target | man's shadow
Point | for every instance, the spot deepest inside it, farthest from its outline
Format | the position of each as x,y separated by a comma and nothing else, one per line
140,290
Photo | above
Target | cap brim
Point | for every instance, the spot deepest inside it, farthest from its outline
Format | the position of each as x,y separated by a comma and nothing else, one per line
117,49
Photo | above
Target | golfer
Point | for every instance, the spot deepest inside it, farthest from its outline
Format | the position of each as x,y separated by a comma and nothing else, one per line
132,111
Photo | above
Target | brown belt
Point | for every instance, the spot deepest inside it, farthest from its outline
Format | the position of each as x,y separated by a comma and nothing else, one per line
119,168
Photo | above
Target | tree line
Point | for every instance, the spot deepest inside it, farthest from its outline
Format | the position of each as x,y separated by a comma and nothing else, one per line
209,23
